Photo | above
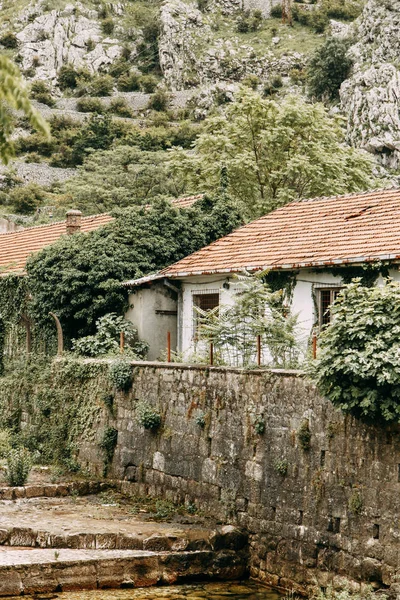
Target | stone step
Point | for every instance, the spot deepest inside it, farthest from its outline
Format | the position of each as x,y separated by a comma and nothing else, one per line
28,537
33,571
56,490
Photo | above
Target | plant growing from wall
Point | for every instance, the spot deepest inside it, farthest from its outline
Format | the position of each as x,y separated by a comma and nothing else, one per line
233,329
201,420
304,436
121,375
259,426
147,417
107,445
19,464
357,366
356,503
281,466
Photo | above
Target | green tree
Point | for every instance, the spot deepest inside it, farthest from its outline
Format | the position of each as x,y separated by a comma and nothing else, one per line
120,177
328,68
14,95
357,366
274,152
79,277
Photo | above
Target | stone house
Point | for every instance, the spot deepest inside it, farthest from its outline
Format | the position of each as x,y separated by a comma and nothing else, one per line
309,247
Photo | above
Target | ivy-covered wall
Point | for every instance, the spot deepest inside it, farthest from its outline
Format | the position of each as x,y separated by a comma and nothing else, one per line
319,492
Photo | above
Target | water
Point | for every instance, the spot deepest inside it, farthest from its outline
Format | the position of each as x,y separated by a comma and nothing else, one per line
242,590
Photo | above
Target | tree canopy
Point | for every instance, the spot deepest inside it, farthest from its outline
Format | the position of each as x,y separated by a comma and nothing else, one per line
79,277
14,95
357,366
273,152
328,68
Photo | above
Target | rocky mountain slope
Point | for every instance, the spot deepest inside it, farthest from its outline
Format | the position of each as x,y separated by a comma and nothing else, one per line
371,97
159,67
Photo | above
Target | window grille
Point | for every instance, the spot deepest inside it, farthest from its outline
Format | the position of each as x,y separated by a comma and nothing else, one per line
326,297
205,301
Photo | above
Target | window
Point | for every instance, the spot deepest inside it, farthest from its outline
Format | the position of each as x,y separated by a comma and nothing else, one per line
326,297
206,302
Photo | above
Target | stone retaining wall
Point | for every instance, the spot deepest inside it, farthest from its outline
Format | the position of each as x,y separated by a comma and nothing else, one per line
319,515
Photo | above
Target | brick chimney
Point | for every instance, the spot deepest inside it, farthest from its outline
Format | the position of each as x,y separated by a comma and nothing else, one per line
73,222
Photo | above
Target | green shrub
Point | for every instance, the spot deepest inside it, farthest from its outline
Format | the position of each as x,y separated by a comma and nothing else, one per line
319,21
273,85
120,107
98,85
251,81
259,426
5,442
356,503
357,366
148,83
33,157
107,26
108,444
90,105
129,82
120,374
201,420
9,40
276,11
35,143
26,199
41,92
159,101
281,467
69,76
19,464
147,417
328,68
304,436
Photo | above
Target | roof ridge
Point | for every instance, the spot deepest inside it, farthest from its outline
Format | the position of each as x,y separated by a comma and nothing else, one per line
42,225
349,195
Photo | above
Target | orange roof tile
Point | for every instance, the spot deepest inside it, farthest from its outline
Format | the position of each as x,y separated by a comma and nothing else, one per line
17,246
323,231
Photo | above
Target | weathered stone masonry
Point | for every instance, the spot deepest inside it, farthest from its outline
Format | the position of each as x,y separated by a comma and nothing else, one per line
334,516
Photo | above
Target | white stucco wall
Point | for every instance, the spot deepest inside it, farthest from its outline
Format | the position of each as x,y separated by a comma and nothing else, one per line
153,325
308,281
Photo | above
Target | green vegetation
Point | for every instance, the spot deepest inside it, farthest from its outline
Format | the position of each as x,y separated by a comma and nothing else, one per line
147,417
256,311
19,464
281,467
107,445
14,95
328,68
357,362
304,436
273,152
120,374
66,277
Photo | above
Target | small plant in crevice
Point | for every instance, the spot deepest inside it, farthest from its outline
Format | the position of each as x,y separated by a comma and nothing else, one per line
281,466
107,445
147,417
259,426
19,465
120,375
108,400
201,420
356,503
304,436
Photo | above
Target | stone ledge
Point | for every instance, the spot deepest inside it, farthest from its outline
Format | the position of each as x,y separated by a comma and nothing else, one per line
54,490
43,571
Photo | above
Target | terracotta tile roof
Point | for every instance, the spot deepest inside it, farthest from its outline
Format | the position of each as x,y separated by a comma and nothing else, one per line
16,247
323,231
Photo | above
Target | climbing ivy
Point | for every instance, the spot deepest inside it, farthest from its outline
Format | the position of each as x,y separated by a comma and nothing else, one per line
367,273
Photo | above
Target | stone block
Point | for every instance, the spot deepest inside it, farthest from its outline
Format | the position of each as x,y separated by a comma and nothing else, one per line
76,577
10,583
22,537
157,543
34,491
106,541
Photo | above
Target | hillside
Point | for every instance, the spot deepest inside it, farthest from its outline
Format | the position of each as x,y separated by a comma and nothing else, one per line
153,71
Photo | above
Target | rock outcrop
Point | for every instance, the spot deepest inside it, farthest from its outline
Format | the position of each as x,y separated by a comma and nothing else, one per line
72,35
370,98
192,55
